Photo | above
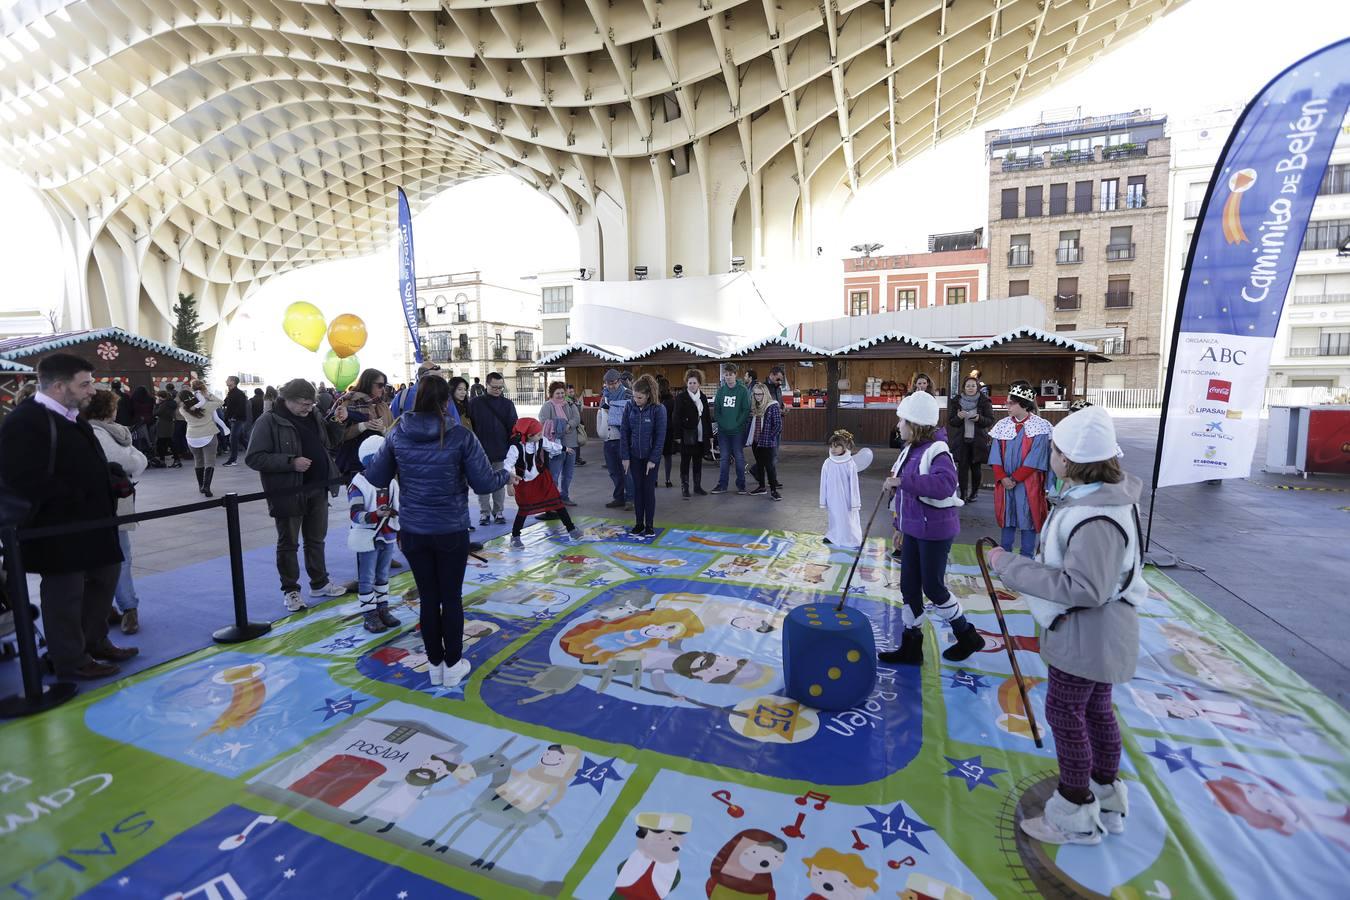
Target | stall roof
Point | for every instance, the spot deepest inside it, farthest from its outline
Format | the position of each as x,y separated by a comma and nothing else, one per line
43,343
908,344
778,347
7,365
673,351
560,358
1032,340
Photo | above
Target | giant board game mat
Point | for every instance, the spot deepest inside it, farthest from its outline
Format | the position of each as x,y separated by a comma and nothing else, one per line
624,733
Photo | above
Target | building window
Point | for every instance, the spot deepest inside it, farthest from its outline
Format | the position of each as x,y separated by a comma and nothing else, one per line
1034,201
859,303
1009,203
906,298
1069,250
1122,243
1135,193
461,312
1336,180
1116,346
1019,288
1328,234
1066,327
1118,293
464,341
558,299
440,305
1066,294
524,346
1334,343
1109,188
1082,197
1019,250
1059,199
956,295
438,346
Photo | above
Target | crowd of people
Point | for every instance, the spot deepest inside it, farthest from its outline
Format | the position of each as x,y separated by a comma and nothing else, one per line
409,458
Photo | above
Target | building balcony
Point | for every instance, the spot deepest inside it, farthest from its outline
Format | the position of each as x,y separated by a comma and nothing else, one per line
463,354
1193,208
1136,200
1020,257
1341,348
1067,256
1124,151
1320,299
1072,157
499,353
1119,299
1118,252
1015,164
1066,302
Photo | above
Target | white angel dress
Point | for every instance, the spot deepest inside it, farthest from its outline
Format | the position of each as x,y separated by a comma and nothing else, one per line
840,498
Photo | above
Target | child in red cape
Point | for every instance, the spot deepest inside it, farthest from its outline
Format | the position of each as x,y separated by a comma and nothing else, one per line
536,493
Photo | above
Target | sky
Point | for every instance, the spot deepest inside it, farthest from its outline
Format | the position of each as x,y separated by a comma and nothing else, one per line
1206,55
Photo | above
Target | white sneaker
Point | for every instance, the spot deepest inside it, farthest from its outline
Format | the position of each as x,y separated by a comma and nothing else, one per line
437,673
458,672
1066,823
1114,799
331,589
293,601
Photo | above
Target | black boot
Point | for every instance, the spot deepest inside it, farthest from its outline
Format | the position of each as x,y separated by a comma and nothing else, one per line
968,641
206,480
200,480
910,652
684,490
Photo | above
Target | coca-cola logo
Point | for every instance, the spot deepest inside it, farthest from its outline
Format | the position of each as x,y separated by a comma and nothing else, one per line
1219,391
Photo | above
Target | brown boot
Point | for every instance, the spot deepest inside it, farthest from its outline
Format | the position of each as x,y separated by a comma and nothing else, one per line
110,653
95,669
131,622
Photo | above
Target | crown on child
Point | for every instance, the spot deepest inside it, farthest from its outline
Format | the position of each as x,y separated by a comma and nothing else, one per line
842,435
1023,392
1076,405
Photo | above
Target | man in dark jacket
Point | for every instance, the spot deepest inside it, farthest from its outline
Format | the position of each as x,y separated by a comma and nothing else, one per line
51,458
290,447
236,417
493,418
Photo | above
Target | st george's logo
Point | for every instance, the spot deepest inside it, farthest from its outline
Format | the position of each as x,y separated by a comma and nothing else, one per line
1239,183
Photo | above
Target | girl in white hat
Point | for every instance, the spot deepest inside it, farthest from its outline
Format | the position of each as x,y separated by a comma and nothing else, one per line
1083,590
926,504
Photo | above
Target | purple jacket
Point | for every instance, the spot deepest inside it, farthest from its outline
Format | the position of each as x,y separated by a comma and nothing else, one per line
918,519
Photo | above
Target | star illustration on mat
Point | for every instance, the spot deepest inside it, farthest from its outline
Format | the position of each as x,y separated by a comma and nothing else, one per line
716,573
1177,758
596,774
973,771
333,707
896,825
288,874
488,577
280,857
234,748
857,589
648,570
402,895
123,881
345,642
972,682
597,582
544,614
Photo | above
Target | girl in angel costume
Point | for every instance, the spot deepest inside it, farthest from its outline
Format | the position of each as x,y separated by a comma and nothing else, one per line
839,495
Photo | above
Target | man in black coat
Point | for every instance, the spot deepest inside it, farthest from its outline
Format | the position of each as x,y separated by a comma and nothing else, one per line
236,417
493,418
51,458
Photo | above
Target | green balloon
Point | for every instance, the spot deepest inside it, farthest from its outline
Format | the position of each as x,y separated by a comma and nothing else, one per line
341,372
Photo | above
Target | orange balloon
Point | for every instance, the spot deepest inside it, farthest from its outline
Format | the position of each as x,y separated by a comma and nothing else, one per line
346,335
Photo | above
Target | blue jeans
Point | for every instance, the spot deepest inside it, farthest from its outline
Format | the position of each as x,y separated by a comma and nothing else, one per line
1028,541
923,570
561,468
372,567
438,562
623,484
237,438
644,492
125,593
731,446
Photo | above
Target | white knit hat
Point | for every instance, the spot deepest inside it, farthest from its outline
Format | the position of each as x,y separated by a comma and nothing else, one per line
920,407
369,447
1087,436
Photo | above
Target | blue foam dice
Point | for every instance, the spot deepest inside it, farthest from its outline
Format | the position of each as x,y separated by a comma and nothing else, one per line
829,656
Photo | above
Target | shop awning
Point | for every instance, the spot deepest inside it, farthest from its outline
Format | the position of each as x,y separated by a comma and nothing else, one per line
20,348
894,345
777,349
1032,342
674,353
578,355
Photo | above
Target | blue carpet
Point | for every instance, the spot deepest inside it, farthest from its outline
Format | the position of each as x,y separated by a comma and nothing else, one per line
181,609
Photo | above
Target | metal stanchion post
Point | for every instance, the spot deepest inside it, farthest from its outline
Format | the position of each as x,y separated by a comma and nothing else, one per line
37,697
242,629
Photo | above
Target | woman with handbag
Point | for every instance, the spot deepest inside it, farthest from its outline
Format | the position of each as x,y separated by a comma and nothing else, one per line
693,428
970,415
561,420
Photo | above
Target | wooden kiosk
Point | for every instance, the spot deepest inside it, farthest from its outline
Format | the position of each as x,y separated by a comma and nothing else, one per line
1049,361
673,358
879,371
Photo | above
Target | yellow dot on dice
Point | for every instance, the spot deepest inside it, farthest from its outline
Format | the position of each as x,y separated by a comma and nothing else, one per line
816,690
845,622
815,622
834,673
853,656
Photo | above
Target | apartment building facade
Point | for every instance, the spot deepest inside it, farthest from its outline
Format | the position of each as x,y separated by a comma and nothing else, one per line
1078,217
875,284
471,327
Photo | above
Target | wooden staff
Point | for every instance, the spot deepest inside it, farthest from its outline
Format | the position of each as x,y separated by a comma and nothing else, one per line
1007,638
858,556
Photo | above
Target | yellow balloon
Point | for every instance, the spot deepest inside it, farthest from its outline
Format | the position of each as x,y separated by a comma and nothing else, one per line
304,324
346,335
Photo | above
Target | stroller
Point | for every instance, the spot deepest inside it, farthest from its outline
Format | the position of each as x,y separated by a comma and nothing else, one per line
9,643
142,441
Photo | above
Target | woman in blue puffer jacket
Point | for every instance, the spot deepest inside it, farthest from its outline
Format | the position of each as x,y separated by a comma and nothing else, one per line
436,462
641,443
